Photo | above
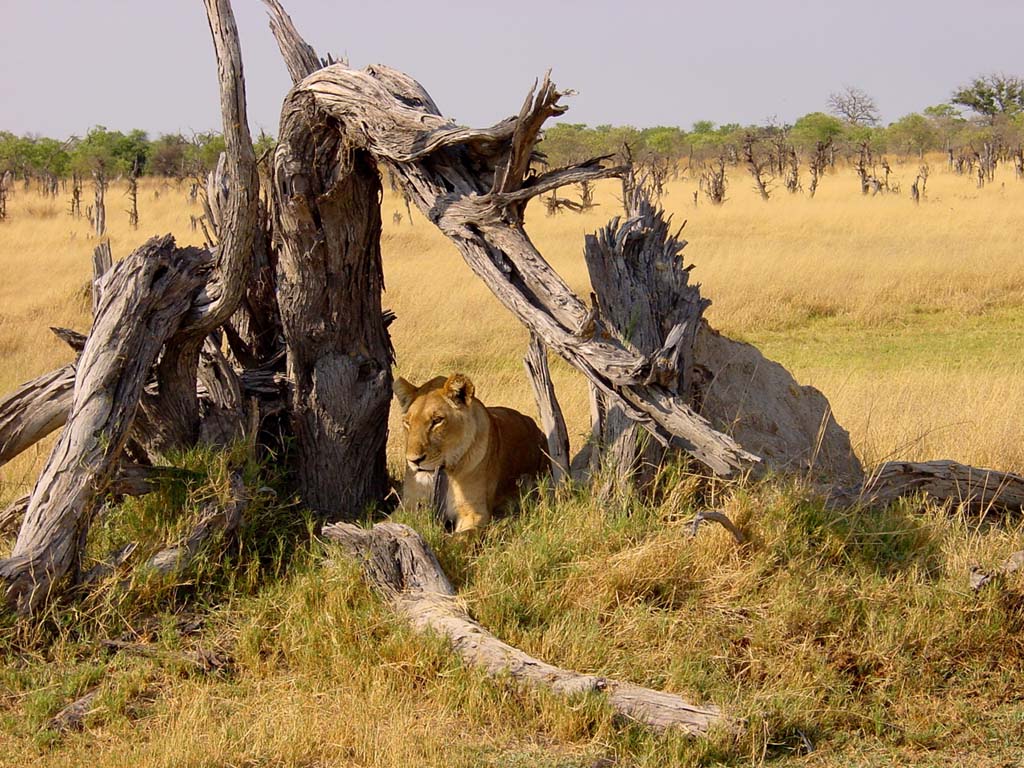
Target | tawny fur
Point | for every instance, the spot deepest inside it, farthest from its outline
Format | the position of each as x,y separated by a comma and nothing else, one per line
484,451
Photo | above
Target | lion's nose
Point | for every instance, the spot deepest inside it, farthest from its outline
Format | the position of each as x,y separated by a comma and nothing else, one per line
415,460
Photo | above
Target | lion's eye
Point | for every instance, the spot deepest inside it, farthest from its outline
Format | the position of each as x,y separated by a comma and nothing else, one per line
436,420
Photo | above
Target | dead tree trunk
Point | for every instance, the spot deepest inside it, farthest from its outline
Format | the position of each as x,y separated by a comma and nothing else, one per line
474,185
173,415
756,166
144,300
536,362
329,283
402,568
713,182
99,211
133,196
975,488
75,206
648,304
819,162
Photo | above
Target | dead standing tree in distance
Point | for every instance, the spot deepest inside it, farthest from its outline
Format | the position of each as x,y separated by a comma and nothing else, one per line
819,162
757,165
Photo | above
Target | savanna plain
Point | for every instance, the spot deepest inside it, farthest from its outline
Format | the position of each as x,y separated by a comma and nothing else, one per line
842,637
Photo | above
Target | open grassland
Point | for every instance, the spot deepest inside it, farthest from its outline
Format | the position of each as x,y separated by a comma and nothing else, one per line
854,633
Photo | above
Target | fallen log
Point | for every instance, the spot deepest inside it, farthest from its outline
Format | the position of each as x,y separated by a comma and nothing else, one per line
975,488
215,519
402,568
72,717
143,302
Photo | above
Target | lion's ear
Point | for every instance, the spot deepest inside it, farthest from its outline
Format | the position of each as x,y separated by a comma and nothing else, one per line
405,391
458,390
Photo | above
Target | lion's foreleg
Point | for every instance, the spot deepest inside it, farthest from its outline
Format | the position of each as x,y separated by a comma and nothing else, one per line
470,503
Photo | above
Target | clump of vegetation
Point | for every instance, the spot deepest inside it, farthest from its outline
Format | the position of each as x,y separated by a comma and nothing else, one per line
853,634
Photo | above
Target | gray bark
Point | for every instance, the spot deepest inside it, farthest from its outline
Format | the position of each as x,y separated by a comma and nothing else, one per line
144,299
474,185
400,565
216,519
647,302
34,410
976,488
329,282
552,421
173,415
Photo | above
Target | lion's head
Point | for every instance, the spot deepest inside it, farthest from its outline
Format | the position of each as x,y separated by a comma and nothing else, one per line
441,423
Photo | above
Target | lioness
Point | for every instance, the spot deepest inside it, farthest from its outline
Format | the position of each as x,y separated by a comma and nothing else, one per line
484,451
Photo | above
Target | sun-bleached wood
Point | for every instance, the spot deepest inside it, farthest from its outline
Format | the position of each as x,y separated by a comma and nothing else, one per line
400,565
144,299
173,414
976,488
34,410
552,421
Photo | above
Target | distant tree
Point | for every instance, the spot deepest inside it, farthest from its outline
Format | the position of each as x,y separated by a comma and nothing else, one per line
703,126
947,122
263,144
808,130
167,156
33,156
663,141
203,152
992,95
854,106
912,133
110,153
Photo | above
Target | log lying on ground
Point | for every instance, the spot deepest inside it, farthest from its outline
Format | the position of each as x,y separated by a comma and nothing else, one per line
474,184
144,300
400,565
131,480
34,410
72,717
976,488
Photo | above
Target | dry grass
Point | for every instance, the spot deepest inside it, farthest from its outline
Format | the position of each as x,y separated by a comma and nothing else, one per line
854,632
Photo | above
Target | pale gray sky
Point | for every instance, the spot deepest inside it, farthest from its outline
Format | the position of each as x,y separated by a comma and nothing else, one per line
66,65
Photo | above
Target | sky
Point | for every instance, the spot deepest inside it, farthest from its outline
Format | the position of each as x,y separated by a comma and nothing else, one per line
67,65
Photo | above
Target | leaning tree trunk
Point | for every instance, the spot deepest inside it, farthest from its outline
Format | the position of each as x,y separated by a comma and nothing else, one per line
173,415
327,192
144,300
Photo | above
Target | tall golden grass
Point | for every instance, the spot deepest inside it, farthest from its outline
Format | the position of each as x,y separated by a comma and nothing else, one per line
906,316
